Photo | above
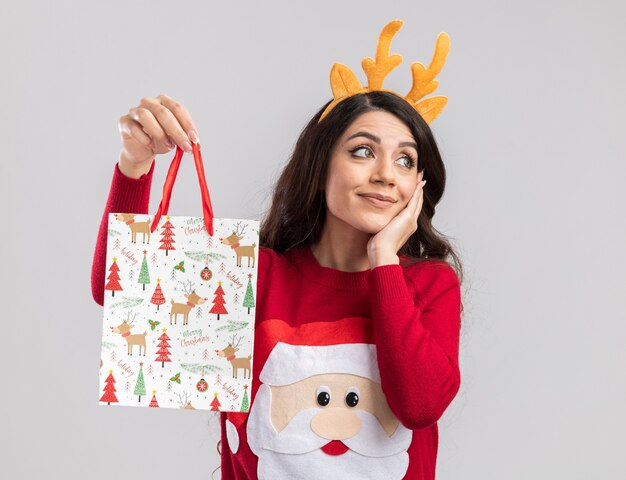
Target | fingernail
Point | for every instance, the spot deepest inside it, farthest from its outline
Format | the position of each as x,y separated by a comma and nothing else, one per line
193,135
169,143
187,147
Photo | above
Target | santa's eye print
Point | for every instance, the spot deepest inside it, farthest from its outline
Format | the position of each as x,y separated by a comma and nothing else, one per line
352,397
323,396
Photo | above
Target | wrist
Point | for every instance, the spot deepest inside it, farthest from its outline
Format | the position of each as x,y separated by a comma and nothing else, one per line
379,258
379,261
380,254
134,169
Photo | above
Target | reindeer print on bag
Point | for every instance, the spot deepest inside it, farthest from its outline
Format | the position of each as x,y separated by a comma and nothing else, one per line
135,227
138,339
240,250
193,299
229,351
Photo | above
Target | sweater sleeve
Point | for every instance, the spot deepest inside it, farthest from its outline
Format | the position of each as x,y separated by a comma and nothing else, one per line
417,341
126,195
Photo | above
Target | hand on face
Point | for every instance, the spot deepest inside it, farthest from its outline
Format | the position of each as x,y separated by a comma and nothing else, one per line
383,247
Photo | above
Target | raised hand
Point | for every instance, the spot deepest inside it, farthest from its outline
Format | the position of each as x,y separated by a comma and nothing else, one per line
153,127
383,247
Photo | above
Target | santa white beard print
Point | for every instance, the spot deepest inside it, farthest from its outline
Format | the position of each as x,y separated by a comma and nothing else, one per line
295,452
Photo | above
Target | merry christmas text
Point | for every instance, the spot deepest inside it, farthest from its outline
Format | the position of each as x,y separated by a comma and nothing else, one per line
193,337
194,225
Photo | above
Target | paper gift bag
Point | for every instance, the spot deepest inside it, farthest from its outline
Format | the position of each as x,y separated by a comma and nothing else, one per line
179,307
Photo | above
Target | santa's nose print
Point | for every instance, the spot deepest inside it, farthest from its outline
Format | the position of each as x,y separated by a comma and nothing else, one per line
337,421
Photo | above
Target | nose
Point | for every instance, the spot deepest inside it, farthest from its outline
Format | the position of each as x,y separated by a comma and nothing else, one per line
336,423
383,172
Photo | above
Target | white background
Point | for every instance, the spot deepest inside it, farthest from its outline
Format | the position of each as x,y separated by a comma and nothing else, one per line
533,140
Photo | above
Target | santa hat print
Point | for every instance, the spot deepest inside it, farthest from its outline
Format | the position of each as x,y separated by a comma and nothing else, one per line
290,354
288,364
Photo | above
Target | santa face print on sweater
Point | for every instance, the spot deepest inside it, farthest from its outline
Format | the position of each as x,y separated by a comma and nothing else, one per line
325,425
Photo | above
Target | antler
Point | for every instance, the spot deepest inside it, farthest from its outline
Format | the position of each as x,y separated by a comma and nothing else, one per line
344,83
180,399
424,81
377,70
128,320
235,339
187,287
237,232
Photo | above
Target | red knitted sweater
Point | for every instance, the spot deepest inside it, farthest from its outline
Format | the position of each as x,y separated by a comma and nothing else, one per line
411,314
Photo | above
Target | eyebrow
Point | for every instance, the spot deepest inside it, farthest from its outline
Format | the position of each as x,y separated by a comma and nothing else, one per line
376,139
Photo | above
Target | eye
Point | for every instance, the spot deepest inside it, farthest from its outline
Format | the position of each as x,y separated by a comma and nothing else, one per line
407,161
360,147
323,395
352,397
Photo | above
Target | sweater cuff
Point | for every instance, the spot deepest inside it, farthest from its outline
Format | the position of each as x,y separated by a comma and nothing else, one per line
130,195
387,282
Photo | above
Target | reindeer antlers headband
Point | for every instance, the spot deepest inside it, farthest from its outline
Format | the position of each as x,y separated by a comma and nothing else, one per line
344,83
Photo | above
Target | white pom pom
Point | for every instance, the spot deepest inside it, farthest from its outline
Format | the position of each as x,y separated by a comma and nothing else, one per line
232,436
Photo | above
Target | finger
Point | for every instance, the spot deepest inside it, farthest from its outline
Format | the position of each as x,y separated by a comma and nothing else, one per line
131,129
415,204
420,202
182,115
150,125
168,124
408,215
414,198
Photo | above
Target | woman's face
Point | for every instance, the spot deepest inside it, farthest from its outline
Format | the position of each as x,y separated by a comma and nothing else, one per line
372,172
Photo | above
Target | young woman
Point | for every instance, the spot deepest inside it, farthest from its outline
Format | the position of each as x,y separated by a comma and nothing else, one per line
358,311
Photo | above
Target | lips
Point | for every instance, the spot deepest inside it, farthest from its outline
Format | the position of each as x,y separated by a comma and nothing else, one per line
378,196
377,200
335,447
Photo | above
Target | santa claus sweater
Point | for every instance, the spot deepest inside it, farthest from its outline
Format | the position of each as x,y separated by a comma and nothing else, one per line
411,311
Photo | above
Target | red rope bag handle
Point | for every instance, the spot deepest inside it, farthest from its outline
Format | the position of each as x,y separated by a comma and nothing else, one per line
207,208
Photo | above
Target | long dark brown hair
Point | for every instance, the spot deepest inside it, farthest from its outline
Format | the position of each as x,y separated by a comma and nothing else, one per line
298,209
